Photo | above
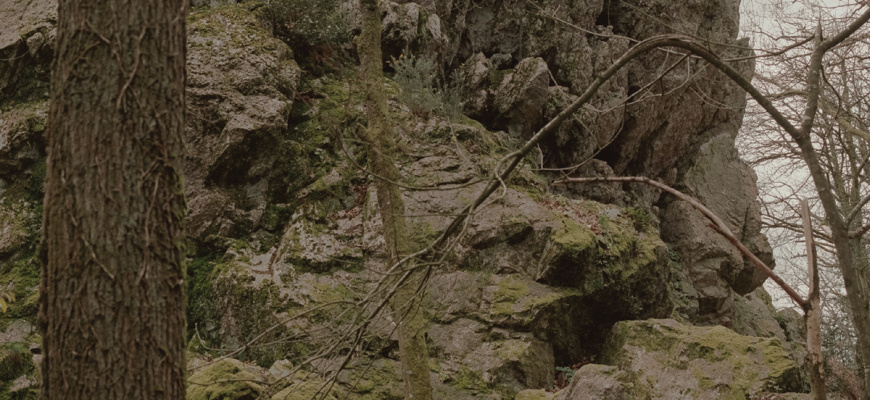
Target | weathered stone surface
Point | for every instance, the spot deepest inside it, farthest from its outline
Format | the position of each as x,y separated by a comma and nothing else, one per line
457,338
410,27
477,87
14,218
664,133
537,280
705,254
754,315
522,95
27,34
303,386
241,84
668,360
406,26
535,394
726,185
21,144
717,178
594,382
515,364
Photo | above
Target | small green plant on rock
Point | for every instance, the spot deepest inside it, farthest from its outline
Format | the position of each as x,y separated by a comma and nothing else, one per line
307,22
7,296
423,91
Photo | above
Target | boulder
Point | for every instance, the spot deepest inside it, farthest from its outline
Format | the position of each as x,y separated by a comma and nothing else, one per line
406,26
754,315
513,364
226,379
370,379
304,386
521,97
409,27
664,359
593,381
477,86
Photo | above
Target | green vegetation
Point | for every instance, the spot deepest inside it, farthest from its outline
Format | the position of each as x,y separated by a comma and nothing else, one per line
227,308
21,209
225,379
510,290
307,22
16,361
470,380
422,89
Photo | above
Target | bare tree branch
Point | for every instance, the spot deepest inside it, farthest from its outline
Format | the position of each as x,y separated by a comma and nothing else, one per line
717,224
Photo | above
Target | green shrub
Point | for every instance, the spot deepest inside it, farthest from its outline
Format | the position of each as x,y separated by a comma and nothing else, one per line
423,91
307,22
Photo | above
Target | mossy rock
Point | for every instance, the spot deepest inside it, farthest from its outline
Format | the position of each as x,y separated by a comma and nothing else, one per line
599,246
15,360
19,376
15,221
535,394
667,360
377,379
519,300
507,366
306,386
224,380
230,305
594,381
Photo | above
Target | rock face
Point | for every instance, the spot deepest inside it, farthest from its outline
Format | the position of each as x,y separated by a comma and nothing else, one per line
241,85
679,127
286,237
407,26
225,379
27,34
521,96
594,381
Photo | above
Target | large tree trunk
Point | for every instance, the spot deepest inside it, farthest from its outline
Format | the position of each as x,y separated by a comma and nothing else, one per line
112,305
405,304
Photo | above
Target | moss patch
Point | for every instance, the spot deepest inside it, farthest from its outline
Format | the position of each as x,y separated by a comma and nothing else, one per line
373,380
228,308
21,212
225,379
470,380
306,386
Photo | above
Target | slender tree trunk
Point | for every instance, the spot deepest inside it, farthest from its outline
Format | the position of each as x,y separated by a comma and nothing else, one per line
813,311
405,303
112,301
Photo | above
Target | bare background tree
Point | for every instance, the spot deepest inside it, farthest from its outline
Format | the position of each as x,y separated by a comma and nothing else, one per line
840,138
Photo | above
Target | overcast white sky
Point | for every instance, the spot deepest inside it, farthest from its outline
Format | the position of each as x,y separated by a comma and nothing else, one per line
760,15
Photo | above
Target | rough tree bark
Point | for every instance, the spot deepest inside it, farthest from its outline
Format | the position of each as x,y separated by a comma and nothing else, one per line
405,304
112,301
